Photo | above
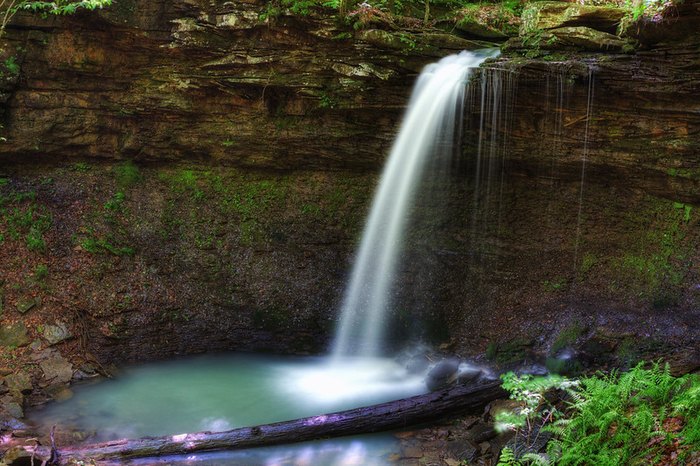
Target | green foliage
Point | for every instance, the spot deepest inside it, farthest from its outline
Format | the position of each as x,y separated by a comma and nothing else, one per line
127,174
644,10
185,181
643,416
656,260
503,17
96,245
20,215
326,101
275,8
115,204
507,458
503,14
531,389
9,8
567,336
41,272
106,229
81,167
624,419
11,65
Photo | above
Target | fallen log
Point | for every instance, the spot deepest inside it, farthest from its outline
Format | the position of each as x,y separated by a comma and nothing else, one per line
386,416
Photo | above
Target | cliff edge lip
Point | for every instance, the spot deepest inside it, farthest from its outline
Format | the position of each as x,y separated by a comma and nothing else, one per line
180,81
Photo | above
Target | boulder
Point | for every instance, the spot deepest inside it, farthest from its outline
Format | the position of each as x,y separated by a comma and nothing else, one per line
469,375
11,407
589,39
59,392
443,374
57,369
14,335
20,382
55,334
25,305
538,16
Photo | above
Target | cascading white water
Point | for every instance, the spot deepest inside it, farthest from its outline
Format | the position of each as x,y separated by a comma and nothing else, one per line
432,124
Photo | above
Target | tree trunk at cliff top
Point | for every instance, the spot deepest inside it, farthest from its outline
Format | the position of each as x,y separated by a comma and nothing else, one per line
386,416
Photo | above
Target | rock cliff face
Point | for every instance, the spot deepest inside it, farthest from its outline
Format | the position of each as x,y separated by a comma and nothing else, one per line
188,176
220,81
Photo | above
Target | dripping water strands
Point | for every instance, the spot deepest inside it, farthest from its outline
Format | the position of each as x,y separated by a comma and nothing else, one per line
584,159
556,140
432,123
495,106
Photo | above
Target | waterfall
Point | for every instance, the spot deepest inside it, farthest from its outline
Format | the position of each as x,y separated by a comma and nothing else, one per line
432,125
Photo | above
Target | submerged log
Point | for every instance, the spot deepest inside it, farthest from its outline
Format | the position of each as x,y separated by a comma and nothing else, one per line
386,416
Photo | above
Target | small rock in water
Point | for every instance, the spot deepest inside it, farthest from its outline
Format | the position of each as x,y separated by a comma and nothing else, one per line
57,369
59,392
12,424
11,407
468,375
443,374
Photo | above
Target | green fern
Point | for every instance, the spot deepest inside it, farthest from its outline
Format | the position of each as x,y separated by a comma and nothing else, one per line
536,459
612,419
507,458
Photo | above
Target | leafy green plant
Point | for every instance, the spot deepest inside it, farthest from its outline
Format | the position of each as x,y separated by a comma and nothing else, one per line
185,180
106,232
326,101
9,8
632,418
507,458
530,390
22,216
41,271
11,65
127,173
643,416
95,245
81,167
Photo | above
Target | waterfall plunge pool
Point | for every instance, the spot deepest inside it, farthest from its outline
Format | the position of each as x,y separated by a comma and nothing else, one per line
223,392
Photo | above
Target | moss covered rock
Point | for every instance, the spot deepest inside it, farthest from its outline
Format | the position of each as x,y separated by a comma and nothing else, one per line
14,335
589,39
553,15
